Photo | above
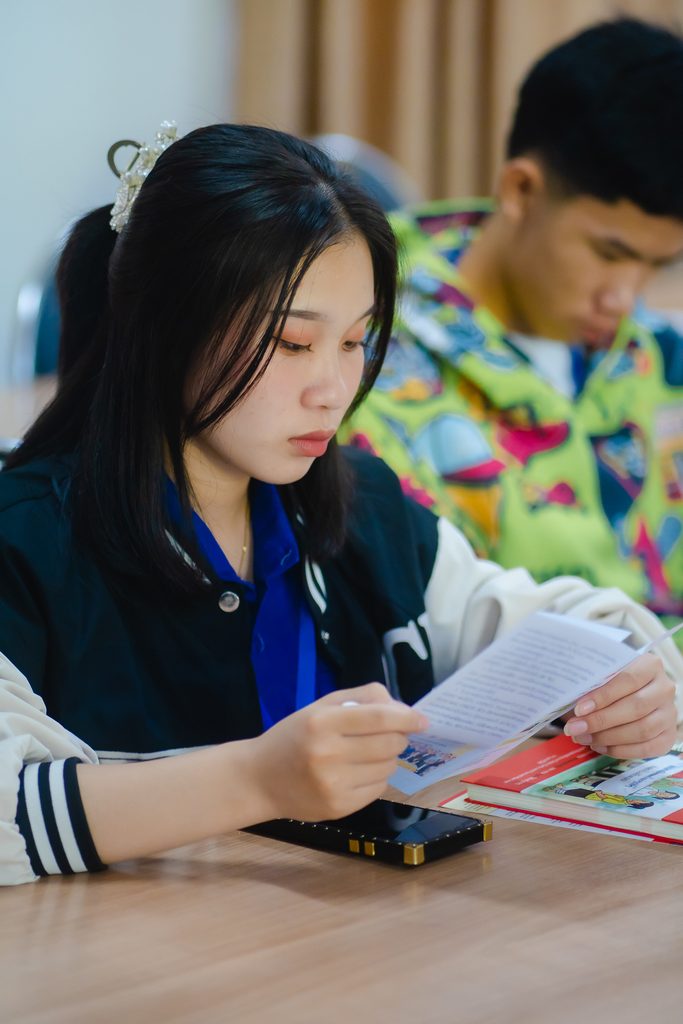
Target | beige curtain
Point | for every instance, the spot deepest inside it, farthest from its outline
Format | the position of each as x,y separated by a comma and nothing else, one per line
430,82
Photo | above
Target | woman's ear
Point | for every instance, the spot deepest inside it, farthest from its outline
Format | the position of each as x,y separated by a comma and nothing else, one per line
521,184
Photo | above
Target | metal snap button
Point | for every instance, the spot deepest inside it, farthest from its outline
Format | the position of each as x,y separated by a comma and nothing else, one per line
228,601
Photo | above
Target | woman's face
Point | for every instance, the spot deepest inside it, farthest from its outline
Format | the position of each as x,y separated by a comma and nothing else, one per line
290,415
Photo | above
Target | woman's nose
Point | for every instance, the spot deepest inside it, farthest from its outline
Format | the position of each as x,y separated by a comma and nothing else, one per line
328,387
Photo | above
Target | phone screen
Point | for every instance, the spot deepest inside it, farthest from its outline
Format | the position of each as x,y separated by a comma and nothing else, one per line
400,823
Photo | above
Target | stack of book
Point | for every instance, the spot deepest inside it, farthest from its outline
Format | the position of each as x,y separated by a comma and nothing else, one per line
521,682
562,782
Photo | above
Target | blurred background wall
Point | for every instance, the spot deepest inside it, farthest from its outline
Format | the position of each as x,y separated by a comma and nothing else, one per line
75,76
430,82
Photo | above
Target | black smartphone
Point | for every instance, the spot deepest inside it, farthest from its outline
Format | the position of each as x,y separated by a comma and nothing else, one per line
388,831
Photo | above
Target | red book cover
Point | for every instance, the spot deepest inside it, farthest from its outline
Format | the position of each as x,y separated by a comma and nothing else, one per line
532,766
566,780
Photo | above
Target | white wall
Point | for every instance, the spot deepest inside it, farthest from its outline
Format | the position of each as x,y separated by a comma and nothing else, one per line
75,76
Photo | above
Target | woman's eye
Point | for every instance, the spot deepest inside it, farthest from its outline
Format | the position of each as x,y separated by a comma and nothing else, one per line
291,346
351,346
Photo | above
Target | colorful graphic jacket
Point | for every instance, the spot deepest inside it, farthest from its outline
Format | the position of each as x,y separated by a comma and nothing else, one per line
591,487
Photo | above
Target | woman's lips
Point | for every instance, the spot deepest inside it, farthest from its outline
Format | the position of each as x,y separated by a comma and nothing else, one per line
312,445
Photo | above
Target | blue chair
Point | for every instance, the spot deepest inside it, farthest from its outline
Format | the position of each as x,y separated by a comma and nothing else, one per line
35,344
47,330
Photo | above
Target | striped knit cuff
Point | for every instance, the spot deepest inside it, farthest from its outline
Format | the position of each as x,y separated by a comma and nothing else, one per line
51,819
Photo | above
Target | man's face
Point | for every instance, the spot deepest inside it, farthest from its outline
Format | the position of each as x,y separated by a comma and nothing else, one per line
576,265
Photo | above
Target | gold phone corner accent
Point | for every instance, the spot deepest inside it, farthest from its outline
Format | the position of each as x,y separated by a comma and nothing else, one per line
368,849
414,855
354,846
488,830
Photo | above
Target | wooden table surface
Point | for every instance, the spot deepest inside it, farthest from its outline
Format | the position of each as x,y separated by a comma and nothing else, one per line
538,925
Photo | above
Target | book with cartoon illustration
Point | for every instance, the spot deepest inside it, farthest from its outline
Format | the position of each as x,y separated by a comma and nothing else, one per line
567,781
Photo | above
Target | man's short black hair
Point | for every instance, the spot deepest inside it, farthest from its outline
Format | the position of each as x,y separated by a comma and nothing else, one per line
604,113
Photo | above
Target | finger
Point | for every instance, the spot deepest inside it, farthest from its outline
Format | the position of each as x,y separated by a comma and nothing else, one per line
660,692
358,776
371,774
654,747
381,718
366,794
373,748
369,693
658,721
355,796
362,795
637,674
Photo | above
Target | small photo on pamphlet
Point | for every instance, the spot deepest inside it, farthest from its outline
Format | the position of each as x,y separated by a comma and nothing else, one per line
421,756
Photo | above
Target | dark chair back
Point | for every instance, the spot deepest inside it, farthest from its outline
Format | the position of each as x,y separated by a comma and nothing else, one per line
6,446
373,170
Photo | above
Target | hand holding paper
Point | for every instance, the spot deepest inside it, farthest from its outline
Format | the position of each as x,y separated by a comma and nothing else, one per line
525,680
632,715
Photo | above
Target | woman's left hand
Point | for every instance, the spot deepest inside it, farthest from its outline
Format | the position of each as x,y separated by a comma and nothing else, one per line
631,715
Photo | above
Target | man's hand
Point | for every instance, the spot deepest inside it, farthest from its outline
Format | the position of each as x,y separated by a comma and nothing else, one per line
631,715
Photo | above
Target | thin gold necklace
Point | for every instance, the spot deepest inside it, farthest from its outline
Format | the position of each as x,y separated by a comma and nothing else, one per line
245,539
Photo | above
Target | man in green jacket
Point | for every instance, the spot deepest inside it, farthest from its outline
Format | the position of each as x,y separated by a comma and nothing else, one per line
525,395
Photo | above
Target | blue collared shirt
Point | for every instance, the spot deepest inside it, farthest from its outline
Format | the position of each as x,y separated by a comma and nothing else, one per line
289,674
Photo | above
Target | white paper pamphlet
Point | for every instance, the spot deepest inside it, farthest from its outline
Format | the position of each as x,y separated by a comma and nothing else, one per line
509,691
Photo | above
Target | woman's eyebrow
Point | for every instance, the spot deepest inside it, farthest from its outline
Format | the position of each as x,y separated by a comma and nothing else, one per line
310,314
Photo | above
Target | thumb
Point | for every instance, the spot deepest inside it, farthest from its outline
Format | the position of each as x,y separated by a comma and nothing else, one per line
369,693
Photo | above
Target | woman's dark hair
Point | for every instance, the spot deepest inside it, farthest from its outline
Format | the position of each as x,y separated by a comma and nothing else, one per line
604,112
222,231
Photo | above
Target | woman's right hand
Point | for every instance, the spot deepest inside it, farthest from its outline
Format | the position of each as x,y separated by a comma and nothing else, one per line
322,762
329,759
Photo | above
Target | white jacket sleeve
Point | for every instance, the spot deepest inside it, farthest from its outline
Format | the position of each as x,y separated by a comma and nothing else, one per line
470,601
27,735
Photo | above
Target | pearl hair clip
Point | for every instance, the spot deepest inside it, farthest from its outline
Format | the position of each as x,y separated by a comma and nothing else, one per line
133,176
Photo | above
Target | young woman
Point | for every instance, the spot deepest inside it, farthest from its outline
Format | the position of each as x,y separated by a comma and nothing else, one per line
189,565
